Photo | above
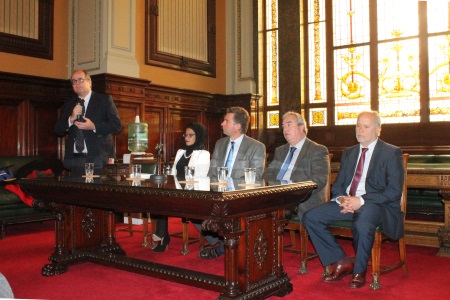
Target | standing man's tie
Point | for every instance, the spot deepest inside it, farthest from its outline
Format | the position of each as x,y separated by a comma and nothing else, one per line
358,172
79,139
230,159
286,164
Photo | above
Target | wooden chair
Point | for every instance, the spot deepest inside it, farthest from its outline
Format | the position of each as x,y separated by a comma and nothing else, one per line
187,240
344,229
295,226
149,165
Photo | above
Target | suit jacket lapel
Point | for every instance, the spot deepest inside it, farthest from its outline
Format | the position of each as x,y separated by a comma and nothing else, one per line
242,149
91,107
303,151
375,157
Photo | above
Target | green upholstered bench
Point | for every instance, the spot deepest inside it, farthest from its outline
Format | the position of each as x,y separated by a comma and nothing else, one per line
429,161
425,203
12,209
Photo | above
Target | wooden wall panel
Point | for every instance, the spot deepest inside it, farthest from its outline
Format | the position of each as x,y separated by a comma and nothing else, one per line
154,117
45,117
30,106
215,132
127,113
8,129
178,119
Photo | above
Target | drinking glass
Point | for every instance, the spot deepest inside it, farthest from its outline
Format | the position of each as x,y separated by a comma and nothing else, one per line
222,174
89,169
136,171
250,175
189,173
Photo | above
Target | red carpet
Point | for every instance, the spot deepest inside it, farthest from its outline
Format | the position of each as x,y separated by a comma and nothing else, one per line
26,249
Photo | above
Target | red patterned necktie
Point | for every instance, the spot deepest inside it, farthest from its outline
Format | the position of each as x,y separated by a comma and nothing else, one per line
358,172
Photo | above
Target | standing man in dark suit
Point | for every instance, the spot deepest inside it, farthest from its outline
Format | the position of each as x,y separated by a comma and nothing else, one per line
300,160
237,151
367,191
89,128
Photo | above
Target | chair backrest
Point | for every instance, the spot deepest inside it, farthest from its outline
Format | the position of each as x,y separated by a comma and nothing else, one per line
405,187
147,160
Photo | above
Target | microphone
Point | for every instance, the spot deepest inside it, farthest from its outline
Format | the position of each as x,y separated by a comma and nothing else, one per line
80,116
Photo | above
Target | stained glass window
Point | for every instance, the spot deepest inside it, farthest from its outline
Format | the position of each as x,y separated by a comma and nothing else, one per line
268,39
379,73
375,63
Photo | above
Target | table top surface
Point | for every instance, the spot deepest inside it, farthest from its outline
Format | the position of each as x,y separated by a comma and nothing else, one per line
170,197
168,183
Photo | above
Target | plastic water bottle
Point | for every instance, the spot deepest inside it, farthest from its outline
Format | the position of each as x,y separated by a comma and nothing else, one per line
137,136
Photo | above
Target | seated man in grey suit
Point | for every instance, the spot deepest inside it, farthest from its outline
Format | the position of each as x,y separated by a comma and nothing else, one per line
300,160
236,151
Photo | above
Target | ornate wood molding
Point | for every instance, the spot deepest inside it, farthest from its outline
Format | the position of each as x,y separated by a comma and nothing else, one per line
41,47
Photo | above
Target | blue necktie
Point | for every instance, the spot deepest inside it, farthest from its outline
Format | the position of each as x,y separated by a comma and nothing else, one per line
230,158
286,164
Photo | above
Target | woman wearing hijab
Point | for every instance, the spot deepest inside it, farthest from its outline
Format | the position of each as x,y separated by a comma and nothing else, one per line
193,154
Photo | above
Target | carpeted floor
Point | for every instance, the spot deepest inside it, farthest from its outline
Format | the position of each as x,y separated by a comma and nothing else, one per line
26,249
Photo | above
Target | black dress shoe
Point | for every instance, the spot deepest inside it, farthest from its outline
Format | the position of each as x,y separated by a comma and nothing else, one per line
209,253
358,280
342,268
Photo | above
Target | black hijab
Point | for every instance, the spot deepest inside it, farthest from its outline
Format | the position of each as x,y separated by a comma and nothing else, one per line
200,135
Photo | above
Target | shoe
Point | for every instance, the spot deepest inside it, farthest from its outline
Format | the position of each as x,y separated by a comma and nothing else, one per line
342,268
209,253
358,280
162,245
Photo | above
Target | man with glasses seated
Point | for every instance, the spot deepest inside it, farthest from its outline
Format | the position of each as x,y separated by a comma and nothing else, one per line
89,119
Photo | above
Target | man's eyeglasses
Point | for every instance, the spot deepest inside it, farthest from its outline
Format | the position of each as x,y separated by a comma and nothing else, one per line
77,81
188,135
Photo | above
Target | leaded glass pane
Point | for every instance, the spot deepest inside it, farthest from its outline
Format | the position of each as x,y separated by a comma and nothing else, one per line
272,67
398,81
439,63
352,83
318,116
397,15
351,22
273,119
316,52
438,16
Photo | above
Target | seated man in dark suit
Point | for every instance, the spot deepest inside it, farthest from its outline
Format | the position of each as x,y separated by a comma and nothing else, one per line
367,191
236,151
300,160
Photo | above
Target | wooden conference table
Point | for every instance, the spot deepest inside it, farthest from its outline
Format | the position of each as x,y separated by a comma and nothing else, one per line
251,220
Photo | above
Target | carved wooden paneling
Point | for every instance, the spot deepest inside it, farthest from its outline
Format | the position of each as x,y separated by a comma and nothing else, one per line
154,117
30,106
28,110
215,132
178,119
8,129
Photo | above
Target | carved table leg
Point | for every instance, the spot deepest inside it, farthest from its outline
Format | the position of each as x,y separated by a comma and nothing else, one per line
57,266
231,267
